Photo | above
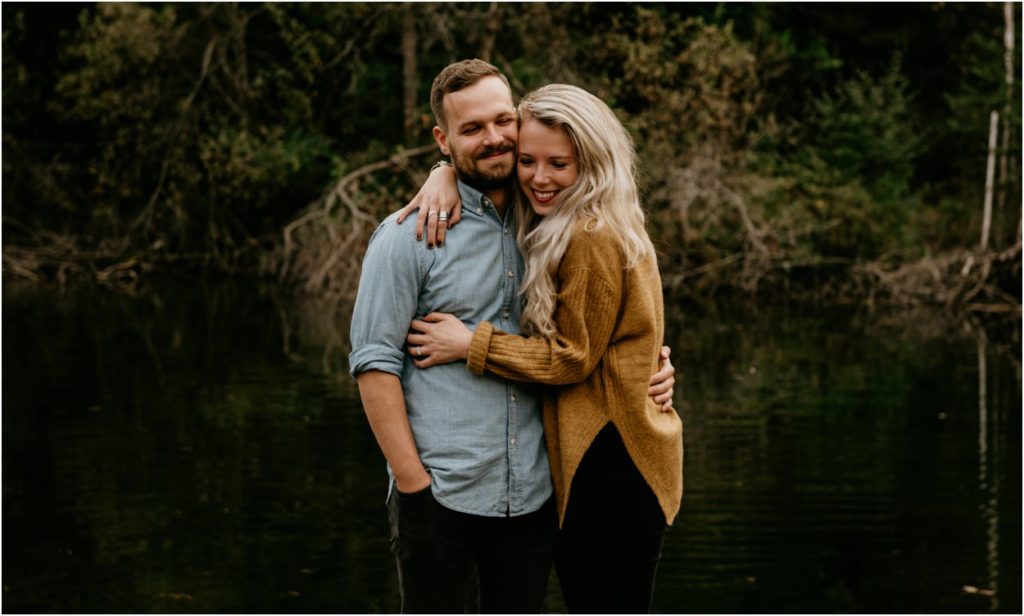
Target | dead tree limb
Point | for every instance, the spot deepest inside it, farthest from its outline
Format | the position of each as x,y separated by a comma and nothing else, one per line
318,247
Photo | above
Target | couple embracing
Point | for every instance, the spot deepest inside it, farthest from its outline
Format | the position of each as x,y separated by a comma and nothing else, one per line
507,371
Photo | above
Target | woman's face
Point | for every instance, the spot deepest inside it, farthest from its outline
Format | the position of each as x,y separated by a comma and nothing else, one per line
547,165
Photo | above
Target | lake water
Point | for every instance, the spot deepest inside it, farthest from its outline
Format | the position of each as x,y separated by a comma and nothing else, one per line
199,447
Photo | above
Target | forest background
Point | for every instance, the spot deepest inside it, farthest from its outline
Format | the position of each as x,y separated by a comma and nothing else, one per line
835,152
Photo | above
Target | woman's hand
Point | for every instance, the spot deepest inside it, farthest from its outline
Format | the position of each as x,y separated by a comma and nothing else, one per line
438,339
438,194
662,381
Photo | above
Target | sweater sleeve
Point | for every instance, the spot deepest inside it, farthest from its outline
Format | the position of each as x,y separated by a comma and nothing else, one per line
585,314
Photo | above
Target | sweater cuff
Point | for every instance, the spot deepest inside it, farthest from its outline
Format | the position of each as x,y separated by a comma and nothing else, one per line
477,356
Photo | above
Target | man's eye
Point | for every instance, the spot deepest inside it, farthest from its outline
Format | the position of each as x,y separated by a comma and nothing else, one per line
471,130
505,122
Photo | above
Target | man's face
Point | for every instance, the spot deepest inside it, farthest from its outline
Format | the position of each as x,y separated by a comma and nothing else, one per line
482,133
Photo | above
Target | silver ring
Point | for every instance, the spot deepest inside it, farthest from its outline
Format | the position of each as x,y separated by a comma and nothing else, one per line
442,217
429,212
415,351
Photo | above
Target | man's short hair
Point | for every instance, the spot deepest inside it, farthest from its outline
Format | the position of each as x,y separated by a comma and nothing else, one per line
455,77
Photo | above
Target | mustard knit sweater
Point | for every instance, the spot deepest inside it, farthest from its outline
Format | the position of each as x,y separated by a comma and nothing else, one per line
610,326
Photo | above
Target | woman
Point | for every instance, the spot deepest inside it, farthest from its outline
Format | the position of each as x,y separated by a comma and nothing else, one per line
595,317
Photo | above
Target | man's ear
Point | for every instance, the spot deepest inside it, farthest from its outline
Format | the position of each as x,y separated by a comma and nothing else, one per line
442,140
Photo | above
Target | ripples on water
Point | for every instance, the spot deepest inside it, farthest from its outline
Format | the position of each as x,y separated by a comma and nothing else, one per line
200,448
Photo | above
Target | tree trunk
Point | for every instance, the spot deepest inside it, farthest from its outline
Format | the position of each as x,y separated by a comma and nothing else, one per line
990,171
1005,183
409,73
490,32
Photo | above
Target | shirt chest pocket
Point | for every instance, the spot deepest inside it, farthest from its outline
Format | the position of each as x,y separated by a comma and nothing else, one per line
471,291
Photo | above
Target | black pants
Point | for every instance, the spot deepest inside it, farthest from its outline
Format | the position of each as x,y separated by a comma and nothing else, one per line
608,549
435,548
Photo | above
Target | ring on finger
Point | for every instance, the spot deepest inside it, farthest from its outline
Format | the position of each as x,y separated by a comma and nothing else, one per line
442,217
415,351
430,213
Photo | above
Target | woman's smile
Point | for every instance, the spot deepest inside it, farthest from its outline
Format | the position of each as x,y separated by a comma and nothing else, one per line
544,197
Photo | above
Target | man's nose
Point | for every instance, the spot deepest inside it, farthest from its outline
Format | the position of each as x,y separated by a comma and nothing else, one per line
491,135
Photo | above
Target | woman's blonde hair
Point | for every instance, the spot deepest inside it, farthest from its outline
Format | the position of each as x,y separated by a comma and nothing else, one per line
605,194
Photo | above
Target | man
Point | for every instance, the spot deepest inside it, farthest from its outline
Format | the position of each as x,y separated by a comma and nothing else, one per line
466,453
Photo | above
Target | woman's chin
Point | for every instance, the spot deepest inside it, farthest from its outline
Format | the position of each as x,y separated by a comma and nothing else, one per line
542,209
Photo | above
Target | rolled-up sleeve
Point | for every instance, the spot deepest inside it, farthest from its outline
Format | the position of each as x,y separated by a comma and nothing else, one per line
389,288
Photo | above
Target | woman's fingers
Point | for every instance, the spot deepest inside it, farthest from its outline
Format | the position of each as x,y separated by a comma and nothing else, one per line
419,352
455,215
408,209
431,225
442,230
437,317
661,383
452,216
425,359
417,340
437,229
666,372
421,219
664,397
420,325
426,323
440,227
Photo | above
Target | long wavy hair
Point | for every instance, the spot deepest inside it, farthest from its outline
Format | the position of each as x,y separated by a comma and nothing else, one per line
605,194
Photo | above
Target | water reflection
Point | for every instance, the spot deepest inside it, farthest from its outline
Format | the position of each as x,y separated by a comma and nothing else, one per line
200,448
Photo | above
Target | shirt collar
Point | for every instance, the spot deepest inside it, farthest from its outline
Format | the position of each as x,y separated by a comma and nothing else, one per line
472,199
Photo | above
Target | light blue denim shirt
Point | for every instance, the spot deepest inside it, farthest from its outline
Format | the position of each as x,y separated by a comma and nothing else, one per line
480,437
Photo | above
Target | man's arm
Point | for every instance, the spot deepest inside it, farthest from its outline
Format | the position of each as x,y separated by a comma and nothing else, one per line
385,303
385,409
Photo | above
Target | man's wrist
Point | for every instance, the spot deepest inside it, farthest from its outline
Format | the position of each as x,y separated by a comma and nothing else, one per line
414,482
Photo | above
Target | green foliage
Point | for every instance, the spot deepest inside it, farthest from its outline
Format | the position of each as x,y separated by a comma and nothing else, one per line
119,89
857,161
680,80
865,131
769,134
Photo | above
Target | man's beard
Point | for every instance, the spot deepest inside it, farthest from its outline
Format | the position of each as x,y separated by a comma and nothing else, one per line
468,172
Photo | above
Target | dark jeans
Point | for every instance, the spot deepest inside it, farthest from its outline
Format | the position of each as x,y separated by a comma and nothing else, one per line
608,549
435,548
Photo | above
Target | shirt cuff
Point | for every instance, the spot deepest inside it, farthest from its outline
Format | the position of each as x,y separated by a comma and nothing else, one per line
477,356
375,357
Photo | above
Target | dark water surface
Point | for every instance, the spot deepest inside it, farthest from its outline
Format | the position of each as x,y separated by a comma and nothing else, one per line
200,448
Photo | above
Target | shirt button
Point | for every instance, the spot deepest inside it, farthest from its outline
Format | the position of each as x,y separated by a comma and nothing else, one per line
506,231
512,441
511,273
505,315
513,397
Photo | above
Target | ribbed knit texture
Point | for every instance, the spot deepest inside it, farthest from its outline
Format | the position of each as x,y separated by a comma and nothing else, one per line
610,323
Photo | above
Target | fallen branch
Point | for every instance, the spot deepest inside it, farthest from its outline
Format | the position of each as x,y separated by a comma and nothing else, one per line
322,247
